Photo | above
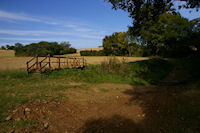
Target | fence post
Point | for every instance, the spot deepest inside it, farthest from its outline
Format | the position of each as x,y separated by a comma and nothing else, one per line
83,62
67,62
40,67
27,69
74,63
36,62
58,62
49,61
79,62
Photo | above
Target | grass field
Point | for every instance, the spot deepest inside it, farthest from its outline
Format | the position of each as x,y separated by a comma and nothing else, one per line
145,96
10,63
7,53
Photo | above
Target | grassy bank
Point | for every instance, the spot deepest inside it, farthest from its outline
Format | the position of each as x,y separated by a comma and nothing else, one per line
170,108
17,87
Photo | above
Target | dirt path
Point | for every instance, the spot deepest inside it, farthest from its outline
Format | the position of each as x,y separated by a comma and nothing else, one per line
177,76
84,111
109,108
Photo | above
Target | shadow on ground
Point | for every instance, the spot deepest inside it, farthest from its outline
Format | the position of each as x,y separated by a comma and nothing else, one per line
162,108
115,124
158,104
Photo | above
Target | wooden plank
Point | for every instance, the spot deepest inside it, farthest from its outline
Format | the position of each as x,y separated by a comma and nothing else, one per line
32,65
44,66
43,60
31,59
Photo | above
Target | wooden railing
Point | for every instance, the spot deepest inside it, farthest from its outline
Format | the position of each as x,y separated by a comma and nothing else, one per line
33,66
54,63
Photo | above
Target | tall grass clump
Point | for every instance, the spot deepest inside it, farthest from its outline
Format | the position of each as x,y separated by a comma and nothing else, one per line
114,66
141,72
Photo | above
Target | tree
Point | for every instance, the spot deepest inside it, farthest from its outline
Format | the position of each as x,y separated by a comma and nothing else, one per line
43,49
190,4
116,44
67,49
166,33
10,47
3,47
18,45
142,12
194,38
157,23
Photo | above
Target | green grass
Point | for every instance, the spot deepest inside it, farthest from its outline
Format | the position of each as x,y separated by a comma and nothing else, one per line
152,70
141,72
17,88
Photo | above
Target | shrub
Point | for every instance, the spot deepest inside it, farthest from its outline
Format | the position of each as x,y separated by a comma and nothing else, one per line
92,53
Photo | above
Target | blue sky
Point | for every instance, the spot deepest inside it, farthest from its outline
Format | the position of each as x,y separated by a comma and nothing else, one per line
83,23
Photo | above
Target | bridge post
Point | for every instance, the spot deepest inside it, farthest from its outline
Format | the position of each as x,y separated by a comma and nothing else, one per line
49,57
36,62
67,62
58,62
27,69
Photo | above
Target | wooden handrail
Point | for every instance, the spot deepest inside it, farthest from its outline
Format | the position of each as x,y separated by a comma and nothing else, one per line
31,59
32,65
43,66
71,62
42,60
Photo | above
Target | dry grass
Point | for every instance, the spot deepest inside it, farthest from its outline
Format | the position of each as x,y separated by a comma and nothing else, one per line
99,59
88,49
7,53
10,63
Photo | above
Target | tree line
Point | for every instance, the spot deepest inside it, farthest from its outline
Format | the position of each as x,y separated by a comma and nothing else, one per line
41,49
157,29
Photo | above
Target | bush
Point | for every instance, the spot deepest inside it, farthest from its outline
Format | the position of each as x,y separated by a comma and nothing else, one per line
92,53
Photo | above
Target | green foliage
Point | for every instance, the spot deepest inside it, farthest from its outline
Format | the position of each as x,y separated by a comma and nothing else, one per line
92,53
142,11
160,27
43,49
3,48
116,44
114,71
122,44
167,36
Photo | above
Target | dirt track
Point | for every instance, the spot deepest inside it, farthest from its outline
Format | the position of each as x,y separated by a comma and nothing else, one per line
123,109
108,108
85,111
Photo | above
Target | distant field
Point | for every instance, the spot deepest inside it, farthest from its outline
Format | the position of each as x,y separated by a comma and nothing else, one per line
88,49
7,53
9,63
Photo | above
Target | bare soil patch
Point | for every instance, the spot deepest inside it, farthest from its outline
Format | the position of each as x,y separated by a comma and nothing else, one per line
81,108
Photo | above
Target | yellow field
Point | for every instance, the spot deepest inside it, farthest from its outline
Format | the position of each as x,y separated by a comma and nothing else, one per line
7,53
10,63
88,49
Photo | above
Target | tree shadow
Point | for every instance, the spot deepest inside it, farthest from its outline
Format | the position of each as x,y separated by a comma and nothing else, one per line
160,106
114,124
159,114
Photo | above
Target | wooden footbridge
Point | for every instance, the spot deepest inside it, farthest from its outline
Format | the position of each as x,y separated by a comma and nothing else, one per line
39,64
